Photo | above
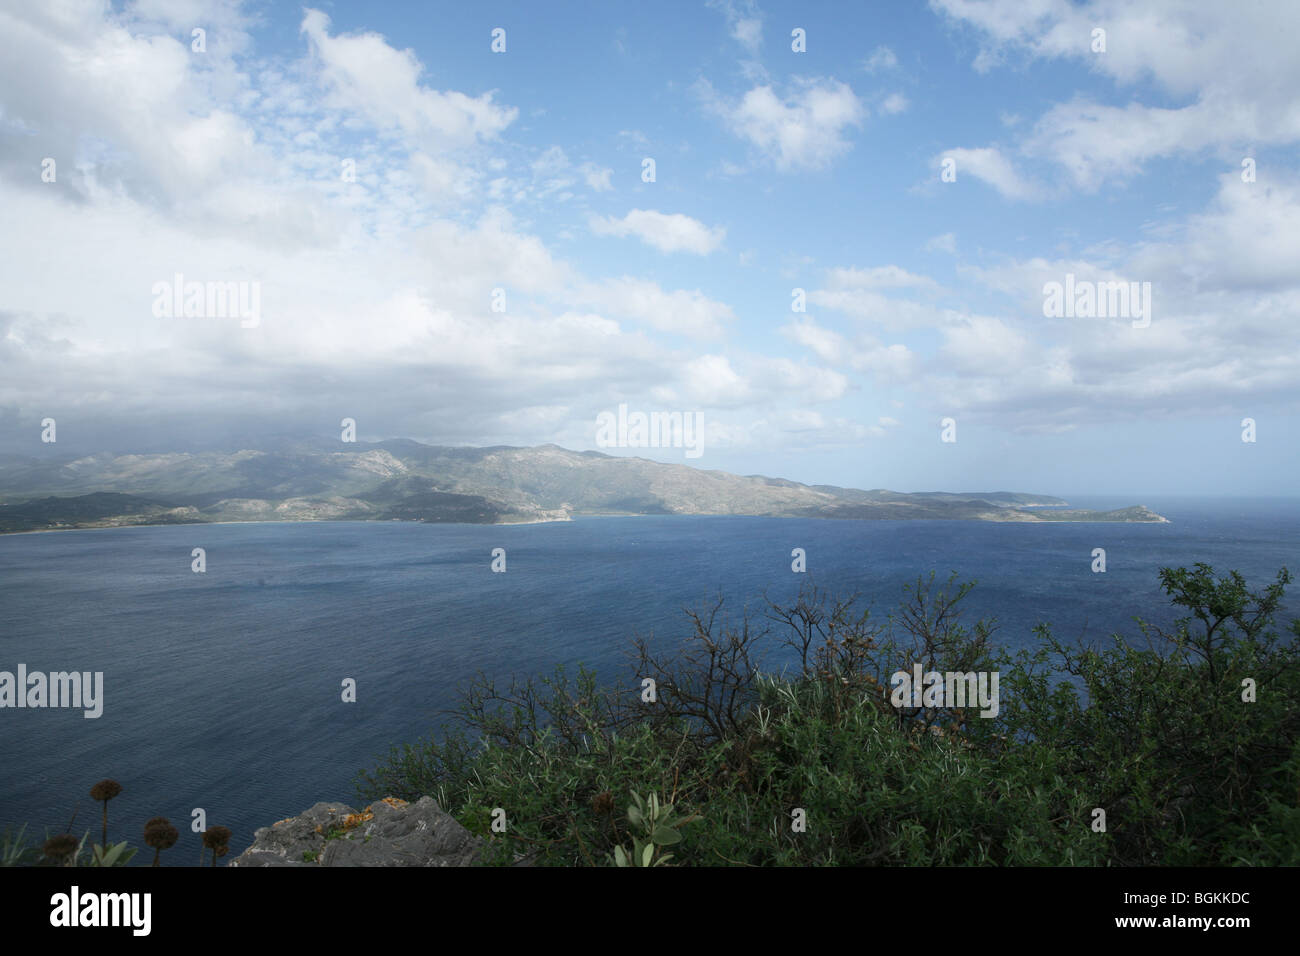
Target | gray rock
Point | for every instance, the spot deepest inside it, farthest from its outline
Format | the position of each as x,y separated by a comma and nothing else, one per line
419,834
387,833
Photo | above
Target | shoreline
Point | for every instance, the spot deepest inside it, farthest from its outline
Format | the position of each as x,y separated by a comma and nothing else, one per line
209,524
569,519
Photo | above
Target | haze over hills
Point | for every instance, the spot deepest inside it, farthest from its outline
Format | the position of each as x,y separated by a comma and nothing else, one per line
317,480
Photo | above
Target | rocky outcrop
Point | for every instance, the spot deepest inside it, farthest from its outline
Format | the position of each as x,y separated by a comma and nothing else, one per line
389,832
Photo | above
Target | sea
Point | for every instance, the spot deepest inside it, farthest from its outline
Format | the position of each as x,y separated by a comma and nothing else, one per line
224,690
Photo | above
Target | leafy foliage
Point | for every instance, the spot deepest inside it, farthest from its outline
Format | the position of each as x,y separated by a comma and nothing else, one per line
14,850
658,830
117,854
1159,733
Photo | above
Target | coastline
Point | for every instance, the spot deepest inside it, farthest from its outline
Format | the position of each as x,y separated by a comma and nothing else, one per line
569,518
208,524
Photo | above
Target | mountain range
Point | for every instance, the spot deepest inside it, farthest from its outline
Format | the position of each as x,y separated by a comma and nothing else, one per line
403,480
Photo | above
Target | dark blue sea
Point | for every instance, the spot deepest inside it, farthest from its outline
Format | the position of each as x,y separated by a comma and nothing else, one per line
223,689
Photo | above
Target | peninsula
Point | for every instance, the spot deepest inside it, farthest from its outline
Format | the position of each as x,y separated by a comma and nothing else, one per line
402,480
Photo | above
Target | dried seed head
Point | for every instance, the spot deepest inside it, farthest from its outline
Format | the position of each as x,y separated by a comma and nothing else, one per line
160,834
105,790
60,847
215,837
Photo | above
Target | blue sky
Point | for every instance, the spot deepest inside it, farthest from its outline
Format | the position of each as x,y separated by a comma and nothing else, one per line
775,170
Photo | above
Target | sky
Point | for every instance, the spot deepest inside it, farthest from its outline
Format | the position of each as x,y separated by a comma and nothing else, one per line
444,221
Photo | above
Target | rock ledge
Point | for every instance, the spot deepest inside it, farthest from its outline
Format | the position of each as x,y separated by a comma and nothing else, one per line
389,832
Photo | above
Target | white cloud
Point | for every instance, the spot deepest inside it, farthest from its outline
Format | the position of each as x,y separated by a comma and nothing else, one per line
983,344
359,281
883,364
551,162
748,32
77,79
228,168
802,381
879,277
1225,302
666,232
597,177
947,242
1247,241
805,130
710,380
826,344
863,353
877,309
690,313
745,22
447,183
989,165
865,295
882,58
367,77
893,104
1232,67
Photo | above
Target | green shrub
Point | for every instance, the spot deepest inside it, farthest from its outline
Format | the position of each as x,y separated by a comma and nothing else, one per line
818,767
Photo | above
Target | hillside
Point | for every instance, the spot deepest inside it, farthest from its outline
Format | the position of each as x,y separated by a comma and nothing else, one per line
403,480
